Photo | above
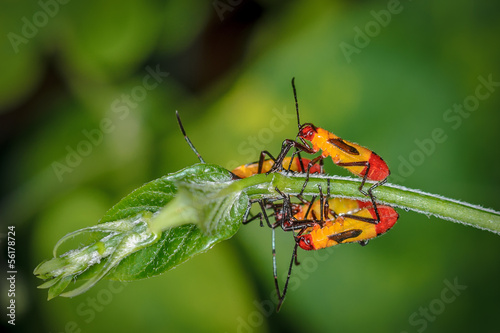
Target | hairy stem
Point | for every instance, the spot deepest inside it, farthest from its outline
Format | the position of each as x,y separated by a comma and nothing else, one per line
395,195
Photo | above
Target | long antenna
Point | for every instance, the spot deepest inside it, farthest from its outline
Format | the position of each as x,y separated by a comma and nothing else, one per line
296,102
186,137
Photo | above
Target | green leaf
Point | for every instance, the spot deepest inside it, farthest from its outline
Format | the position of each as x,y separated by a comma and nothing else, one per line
153,229
195,201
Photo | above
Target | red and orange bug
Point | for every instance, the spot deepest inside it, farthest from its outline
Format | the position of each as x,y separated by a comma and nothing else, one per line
357,159
356,227
290,214
351,221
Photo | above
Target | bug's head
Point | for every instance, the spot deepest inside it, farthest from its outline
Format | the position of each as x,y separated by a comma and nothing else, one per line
307,131
305,242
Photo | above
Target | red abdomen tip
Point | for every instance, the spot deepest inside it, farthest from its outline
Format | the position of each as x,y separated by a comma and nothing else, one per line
378,168
388,217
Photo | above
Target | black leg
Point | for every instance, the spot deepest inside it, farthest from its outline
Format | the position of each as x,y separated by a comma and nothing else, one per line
309,166
288,221
372,197
360,218
285,148
246,221
275,269
262,158
300,162
263,213
247,212
278,163
366,164
327,202
369,193
282,296
321,205
310,206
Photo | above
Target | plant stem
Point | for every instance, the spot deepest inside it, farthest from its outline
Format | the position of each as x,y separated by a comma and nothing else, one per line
395,195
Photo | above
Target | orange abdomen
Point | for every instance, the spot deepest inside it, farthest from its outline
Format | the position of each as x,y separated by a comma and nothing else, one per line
342,152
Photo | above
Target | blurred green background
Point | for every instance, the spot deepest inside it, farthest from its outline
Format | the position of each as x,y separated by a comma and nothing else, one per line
76,76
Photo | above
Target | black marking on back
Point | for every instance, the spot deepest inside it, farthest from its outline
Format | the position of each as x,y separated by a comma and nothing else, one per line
340,144
340,237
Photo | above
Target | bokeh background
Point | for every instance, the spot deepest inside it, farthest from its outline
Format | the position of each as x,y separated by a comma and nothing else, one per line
385,74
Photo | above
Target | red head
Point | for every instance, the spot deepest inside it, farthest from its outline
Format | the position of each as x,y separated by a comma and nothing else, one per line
307,131
305,242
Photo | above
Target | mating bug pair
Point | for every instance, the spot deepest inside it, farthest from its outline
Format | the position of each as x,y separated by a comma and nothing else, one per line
330,221
359,160
324,223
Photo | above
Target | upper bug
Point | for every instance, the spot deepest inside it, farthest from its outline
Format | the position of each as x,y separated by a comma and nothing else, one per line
359,160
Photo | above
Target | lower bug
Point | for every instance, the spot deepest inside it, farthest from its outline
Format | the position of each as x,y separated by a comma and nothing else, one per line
317,226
